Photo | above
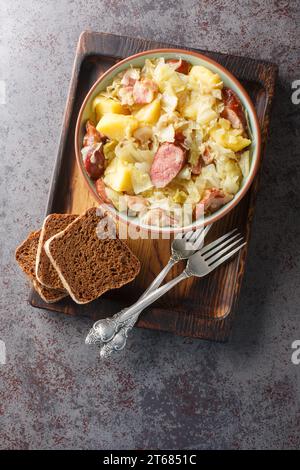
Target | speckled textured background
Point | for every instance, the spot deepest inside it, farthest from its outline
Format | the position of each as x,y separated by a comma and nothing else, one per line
166,392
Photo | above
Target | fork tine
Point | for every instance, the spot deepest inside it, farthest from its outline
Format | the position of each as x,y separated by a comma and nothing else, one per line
224,258
186,236
196,240
197,234
206,248
207,228
217,248
181,235
200,233
193,236
211,259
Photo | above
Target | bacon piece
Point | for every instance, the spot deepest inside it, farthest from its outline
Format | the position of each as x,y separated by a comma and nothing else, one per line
233,110
179,137
126,95
167,163
159,218
205,159
144,90
130,77
92,136
180,65
101,190
207,156
213,199
232,117
197,167
136,204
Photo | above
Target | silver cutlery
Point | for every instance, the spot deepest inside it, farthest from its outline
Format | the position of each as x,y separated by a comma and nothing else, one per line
183,246
199,264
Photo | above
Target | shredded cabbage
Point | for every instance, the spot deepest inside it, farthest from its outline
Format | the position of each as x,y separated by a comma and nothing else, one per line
245,163
189,106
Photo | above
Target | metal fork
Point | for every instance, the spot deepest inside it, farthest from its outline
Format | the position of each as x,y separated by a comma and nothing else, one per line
183,246
200,264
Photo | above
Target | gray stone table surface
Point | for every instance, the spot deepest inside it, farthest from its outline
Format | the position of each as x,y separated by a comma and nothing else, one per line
166,391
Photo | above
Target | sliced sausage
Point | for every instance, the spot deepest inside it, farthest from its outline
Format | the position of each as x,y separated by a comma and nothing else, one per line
233,110
94,161
92,136
167,163
212,200
180,65
143,91
101,190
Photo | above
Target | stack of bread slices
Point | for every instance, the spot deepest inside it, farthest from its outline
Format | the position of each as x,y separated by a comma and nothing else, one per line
67,257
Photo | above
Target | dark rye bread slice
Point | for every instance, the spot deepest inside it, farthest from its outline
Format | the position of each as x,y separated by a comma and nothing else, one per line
89,266
45,272
25,257
49,295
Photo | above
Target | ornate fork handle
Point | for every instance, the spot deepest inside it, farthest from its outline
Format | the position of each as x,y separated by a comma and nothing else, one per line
104,330
119,340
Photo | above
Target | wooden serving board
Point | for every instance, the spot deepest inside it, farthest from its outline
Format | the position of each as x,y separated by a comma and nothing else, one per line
197,308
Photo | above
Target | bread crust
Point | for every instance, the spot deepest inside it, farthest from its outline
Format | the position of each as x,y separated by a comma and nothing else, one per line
44,271
50,296
88,266
25,255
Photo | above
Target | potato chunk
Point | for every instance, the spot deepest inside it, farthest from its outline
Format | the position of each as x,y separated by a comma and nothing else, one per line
117,126
118,176
149,113
102,105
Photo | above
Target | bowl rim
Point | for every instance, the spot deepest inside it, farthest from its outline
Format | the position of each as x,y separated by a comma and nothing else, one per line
228,207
